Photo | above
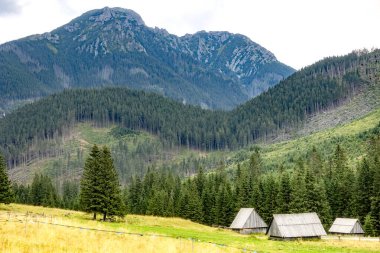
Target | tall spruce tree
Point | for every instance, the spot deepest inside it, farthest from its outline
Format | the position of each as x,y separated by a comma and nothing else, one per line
321,204
100,189
255,166
190,203
368,226
374,157
111,202
298,197
364,189
135,196
208,203
42,192
284,193
90,187
243,188
5,185
375,199
315,163
269,197
336,183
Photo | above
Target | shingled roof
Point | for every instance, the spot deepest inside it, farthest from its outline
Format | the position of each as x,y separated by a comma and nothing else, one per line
248,218
346,226
297,225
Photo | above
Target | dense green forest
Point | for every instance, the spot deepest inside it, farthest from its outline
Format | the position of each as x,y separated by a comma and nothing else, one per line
325,185
318,87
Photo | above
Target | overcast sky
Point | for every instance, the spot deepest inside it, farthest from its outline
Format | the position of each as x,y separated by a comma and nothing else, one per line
298,32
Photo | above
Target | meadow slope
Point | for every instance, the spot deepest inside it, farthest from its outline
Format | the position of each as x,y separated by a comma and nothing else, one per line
38,229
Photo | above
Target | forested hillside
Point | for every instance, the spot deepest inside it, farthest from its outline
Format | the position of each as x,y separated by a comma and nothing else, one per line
317,183
325,85
312,90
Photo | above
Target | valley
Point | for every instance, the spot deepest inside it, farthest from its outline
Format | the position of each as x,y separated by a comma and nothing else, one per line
116,136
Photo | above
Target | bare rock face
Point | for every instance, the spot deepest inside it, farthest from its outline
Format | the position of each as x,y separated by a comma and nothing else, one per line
114,46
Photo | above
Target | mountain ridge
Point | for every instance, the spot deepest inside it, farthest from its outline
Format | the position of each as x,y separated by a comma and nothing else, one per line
114,47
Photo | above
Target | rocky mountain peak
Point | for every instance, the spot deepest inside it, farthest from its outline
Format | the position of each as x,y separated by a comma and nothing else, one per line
101,17
107,14
113,46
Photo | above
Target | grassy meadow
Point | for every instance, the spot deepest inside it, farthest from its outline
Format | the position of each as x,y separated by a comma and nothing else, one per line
35,233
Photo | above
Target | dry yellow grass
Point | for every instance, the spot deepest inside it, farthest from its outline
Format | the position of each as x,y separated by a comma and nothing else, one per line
35,233
14,237
38,237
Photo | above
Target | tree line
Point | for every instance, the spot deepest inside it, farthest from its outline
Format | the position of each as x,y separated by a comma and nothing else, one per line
332,190
328,187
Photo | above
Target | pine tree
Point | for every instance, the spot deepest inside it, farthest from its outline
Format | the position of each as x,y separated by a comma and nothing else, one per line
21,193
224,205
190,203
36,191
208,202
310,181
90,188
255,164
135,195
6,195
100,189
298,198
243,188
111,202
43,193
70,195
340,196
284,194
158,203
238,190
270,193
315,163
364,189
321,204
375,199
257,197
374,158
368,226
200,181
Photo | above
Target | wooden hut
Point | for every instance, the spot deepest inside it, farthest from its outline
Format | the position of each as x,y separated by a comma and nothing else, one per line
297,225
248,221
346,226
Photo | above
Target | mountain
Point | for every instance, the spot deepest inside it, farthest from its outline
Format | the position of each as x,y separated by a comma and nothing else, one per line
114,47
337,82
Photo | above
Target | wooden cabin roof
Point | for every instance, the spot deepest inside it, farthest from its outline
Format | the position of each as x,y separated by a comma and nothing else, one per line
248,218
346,226
296,225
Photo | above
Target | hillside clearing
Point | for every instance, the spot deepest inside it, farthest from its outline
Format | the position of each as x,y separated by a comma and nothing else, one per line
288,152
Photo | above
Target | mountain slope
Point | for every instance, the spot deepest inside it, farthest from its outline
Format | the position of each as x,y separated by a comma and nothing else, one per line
353,137
114,47
285,108
321,87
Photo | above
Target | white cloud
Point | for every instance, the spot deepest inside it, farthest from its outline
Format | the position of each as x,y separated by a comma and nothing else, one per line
8,7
